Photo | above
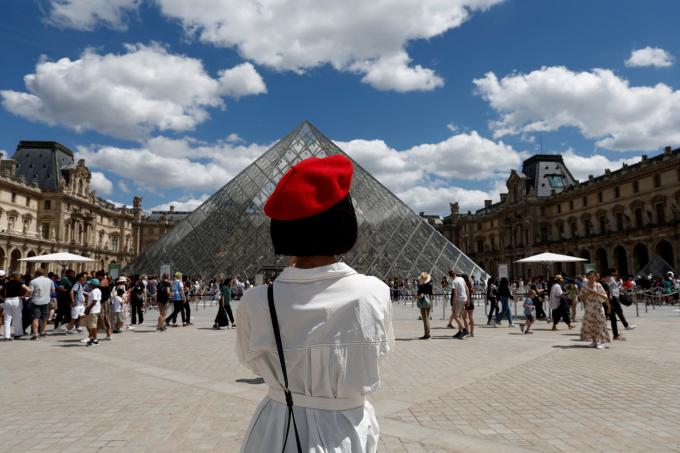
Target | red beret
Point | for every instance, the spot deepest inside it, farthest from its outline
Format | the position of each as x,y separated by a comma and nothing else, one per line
310,187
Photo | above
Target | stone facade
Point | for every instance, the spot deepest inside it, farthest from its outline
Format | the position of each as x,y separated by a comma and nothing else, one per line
620,219
47,206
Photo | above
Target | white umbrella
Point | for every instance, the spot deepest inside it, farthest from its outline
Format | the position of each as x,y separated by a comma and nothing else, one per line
548,257
61,257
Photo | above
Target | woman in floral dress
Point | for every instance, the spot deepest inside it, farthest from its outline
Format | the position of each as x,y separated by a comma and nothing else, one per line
594,326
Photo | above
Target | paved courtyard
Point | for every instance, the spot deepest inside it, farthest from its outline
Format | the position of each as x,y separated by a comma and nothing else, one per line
183,390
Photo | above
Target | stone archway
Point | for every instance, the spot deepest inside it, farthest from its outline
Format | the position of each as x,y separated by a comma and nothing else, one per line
640,256
30,266
601,261
621,261
585,254
14,263
665,250
571,267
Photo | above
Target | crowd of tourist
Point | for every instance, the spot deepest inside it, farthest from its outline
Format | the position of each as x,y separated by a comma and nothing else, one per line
95,302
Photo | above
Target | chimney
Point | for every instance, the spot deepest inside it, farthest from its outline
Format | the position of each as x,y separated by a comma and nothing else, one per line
172,208
487,204
504,197
668,150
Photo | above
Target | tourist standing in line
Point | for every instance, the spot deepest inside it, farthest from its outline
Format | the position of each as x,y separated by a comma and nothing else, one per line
425,289
186,288
491,298
105,317
163,292
558,304
317,301
92,311
13,290
594,324
469,309
505,295
137,299
42,289
63,315
177,301
615,283
118,315
459,297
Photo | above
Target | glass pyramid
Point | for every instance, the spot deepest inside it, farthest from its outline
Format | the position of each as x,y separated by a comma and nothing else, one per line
228,234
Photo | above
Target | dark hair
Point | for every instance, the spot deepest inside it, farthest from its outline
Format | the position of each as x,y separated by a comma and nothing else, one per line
504,284
120,292
332,232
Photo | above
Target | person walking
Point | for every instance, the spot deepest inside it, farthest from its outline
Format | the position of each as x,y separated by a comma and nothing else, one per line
177,301
63,316
318,405
558,304
77,296
92,310
459,297
13,291
614,283
505,295
225,301
424,298
186,306
491,299
105,314
162,293
42,289
594,324
469,309
137,299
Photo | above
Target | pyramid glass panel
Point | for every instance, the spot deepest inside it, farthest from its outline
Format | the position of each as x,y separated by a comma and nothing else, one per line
229,234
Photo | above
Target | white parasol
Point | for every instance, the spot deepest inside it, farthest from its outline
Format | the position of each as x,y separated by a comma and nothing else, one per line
548,257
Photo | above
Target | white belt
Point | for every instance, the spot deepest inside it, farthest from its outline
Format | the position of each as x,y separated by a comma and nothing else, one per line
317,402
12,299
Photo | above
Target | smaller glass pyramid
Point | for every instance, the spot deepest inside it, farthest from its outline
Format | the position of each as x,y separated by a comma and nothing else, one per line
229,234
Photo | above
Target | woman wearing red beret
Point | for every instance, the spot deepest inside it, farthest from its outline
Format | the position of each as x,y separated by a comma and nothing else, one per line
334,325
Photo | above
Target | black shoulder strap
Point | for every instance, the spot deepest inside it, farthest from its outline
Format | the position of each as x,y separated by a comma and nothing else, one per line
286,390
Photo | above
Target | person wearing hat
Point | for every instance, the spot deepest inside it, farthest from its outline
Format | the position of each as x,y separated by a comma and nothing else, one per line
92,310
425,289
332,324
558,304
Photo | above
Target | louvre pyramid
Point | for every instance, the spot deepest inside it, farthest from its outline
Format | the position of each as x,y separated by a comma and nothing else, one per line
229,233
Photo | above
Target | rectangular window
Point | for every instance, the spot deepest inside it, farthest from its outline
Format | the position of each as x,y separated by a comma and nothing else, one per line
45,229
574,230
544,234
639,222
542,210
480,245
636,187
14,197
48,204
603,224
657,180
28,201
115,222
561,231
114,244
555,181
571,205
619,221
617,192
660,214
599,197
559,208
585,201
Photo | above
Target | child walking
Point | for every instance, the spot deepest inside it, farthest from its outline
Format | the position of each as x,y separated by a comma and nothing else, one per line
528,312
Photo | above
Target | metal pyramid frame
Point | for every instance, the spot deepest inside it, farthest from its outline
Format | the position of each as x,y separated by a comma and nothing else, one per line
229,233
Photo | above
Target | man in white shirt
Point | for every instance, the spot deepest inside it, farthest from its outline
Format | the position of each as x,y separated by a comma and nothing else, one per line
42,289
614,282
459,297
92,311
558,305
77,304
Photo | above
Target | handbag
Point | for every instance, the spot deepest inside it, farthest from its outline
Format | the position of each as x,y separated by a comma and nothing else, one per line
423,302
286,390
624,299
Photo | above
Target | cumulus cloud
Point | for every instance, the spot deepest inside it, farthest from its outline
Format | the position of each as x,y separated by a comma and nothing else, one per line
355,35
650,56
101,183
437,199
86,14
182,205
583,166
600,104
128,95
165,163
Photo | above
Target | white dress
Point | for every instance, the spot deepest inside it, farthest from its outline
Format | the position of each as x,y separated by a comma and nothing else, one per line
335,327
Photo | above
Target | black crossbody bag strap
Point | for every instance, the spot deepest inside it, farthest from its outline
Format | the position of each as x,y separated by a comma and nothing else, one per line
286,390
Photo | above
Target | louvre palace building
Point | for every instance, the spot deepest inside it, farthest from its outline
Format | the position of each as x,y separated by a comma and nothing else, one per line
622,219
47,206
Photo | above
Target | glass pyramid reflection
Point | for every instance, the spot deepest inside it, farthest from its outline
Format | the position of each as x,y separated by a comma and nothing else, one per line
229,234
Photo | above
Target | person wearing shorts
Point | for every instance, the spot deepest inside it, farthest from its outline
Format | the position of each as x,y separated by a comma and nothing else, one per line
528,312
459,298
77,304
42,289
92,310
162,293
469,308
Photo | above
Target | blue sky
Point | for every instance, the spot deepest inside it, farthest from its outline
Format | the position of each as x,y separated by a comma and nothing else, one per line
169,99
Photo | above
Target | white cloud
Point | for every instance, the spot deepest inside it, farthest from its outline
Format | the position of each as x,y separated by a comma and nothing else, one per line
650,56
601,105
437,199
234,138
127,95
164,163
101,183
583,166
86,14
354,35
182,205
122,185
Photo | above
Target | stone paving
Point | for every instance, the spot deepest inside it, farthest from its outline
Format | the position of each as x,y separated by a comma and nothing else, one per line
183,390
